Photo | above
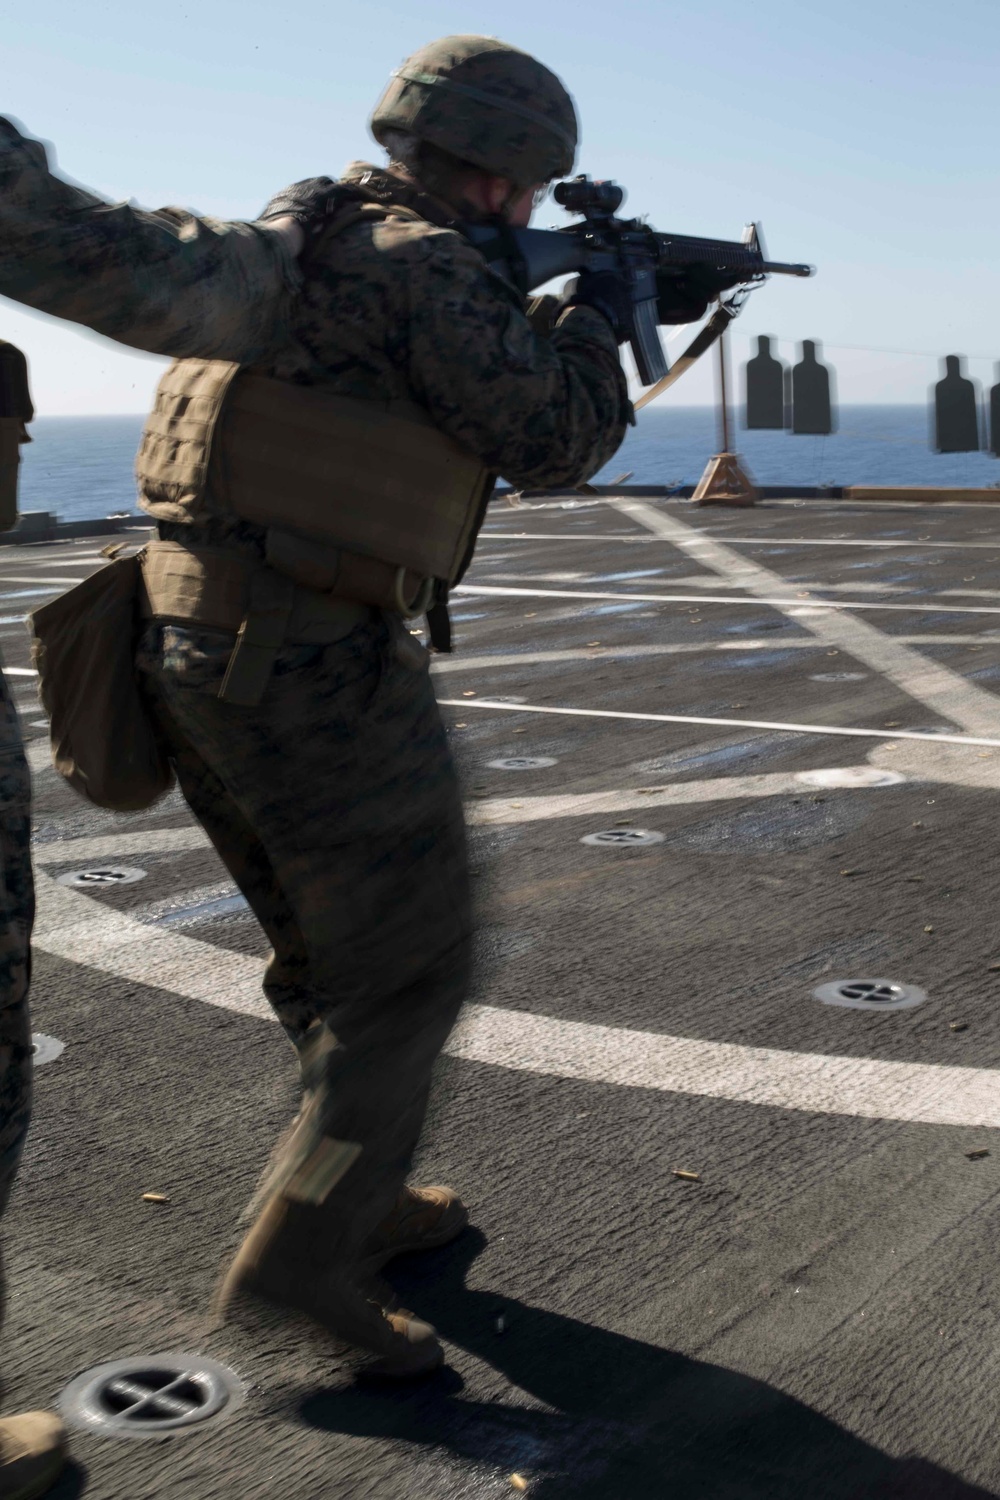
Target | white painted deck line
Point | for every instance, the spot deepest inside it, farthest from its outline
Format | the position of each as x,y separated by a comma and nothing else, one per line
567,504
609,713
789,604
919,1093
808,591
525,809
605,653
73,927
56,583
843,507
928,761
597,653
735,541
885,507
120,846
70,562
533,809
676,648
944,691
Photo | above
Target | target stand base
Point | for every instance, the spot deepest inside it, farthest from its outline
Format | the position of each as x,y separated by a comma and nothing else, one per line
724,483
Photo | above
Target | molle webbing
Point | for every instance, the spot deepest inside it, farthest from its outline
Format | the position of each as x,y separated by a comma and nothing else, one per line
174,453
376,478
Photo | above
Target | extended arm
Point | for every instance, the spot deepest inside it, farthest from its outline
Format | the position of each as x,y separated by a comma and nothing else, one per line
167,281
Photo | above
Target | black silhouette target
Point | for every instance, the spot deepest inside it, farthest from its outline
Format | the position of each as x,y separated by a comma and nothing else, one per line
995,417
956,415
813,409
765,388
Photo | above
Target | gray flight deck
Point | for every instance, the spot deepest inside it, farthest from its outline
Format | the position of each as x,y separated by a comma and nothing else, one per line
817,1316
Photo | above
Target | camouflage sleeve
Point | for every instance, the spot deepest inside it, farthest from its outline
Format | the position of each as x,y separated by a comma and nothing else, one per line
539,411
17,909
167,282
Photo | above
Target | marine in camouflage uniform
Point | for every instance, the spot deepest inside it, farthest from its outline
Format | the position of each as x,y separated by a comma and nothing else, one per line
17,910
17,895
333,802
32,1444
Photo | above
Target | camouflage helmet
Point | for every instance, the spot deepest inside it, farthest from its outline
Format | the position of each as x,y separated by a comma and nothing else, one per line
485,103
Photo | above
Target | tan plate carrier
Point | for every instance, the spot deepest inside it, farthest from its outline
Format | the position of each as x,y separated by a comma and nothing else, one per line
375,480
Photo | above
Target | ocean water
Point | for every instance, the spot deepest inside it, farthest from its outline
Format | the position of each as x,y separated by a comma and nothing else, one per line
872,445
81,467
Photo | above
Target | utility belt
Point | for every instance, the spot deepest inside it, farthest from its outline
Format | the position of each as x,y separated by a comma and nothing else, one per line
302,593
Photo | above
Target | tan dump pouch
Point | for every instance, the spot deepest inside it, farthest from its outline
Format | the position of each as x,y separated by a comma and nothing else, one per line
374,478
104,741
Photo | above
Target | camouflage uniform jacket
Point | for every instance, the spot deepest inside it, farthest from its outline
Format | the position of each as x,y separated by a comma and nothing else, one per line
385,310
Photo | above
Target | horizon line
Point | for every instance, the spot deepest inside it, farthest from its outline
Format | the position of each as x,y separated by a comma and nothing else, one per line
685,406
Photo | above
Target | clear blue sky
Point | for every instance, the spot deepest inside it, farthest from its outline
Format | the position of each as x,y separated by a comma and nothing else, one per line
861,132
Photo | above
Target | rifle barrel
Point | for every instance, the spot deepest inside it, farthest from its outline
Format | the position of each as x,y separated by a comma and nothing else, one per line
783,268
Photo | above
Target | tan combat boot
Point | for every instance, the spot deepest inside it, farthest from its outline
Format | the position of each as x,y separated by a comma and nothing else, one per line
32,1454
275,1265
422,1219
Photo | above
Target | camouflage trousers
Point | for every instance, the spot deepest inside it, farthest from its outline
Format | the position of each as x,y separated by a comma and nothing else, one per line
335,807
17,911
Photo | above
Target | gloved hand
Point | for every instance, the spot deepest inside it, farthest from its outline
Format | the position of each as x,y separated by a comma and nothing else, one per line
607,293
307,202
541,312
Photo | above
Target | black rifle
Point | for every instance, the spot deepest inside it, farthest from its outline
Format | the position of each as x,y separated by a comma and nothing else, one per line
665,272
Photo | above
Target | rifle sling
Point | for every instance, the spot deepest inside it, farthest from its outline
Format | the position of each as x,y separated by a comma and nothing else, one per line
703,340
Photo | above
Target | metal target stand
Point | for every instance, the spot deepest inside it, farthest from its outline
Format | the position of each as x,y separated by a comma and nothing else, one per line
724,481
